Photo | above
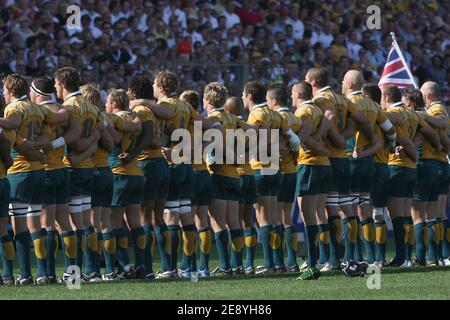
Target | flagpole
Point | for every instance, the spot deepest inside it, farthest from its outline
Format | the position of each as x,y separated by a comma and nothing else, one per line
400,53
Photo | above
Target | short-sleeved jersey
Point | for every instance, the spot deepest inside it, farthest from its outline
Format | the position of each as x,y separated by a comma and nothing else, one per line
326,99
294,123
89,116
409,126
228,122
31,127
309,111
244,169
184,114
371,110
127,144
438,109
263,117
195,165
101,154
55,157
10,135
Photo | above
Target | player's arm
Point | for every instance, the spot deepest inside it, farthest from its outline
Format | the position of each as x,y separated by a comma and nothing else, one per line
349,130
148,132
26,148
75,158
163,111
57,117
407,146
310,142
394,117
11,122
438,122
445,141
116,135
431,134
368,150
131,126
106,139
336,138
326,122
385,124
364,124
83,144
5,151
418,139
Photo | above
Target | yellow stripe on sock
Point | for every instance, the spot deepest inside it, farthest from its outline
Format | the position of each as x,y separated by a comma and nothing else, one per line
237,244
205,242
168,246
426,235
110,245
352,231
442,233
188,242
70,243
39,248
381,234
99,247
275,240
324,237
92,241
250,241
123,242
141,241
294,243
447,234
8,248
410,234
83,242
368,232
338,226
437,231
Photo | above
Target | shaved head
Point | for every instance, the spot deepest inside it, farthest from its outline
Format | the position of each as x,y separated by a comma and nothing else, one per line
430,91
233,105
353,80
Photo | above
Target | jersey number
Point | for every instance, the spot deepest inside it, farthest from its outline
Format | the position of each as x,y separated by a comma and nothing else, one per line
34,128
87,128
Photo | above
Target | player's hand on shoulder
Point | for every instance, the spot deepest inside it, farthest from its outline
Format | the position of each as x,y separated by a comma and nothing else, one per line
125,158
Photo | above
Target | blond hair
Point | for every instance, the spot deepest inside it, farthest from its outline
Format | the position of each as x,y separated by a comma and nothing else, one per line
216,94
91,93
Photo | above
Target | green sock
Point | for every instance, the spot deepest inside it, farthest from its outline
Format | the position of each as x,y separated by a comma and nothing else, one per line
291,245
90,249
264,233
109,250
7,254
23,247
189,235
277,245
250,247
98,260
122,247
350,234
421,235
324,243
139,242
335,239
69,248
51,245
81,240
409,229
446,241
368,236
150,245
38,239
174,234
205,243
380,240
221,239
237,244
358,254
399,236
311,234
433,240
163,240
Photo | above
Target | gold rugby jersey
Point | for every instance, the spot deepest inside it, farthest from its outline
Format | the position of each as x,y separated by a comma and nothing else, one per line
294,123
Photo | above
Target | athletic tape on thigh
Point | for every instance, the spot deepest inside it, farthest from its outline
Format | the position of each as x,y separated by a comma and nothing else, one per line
185,206
345,200
18,209
75,205
364,200
378,212
85,203
172,207
34,210
332,200
354,198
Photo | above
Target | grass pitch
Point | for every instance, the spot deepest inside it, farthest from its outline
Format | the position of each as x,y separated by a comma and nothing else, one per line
416,283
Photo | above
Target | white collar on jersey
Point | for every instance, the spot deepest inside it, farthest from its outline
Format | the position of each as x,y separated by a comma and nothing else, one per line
306,102
261,105
73,94
397,104
283,109
355,92
50,101
21,98
213,110
323,89
435,102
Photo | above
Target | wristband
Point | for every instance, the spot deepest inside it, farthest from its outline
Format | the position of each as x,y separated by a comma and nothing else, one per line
58,143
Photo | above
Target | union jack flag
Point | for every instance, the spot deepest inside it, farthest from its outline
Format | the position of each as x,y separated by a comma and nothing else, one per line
396,71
